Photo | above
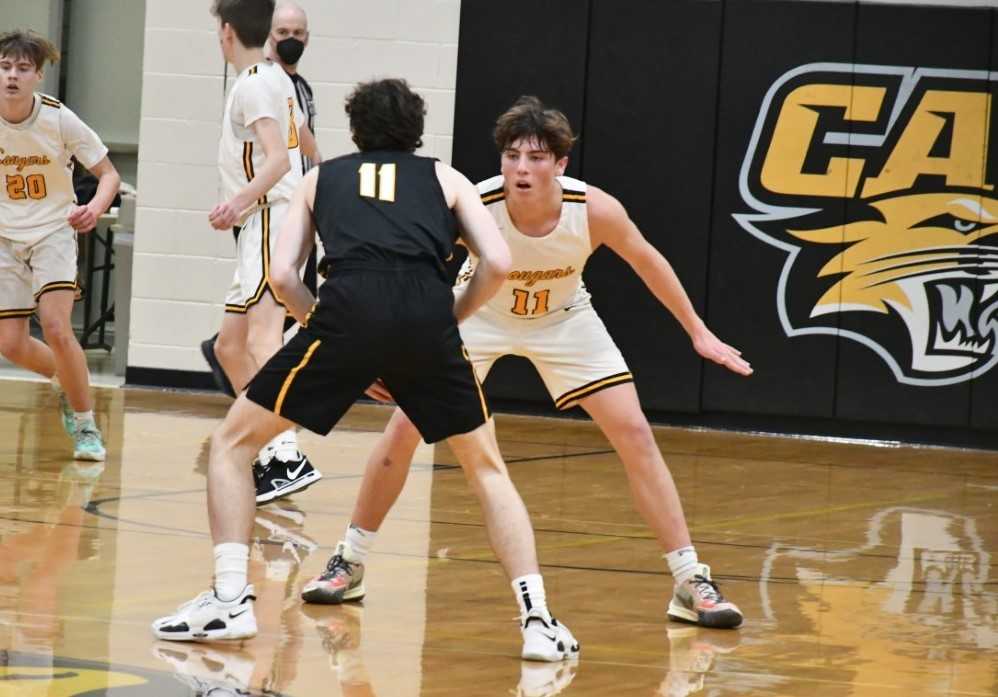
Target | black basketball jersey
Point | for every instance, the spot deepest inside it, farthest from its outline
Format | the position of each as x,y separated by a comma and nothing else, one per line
381,208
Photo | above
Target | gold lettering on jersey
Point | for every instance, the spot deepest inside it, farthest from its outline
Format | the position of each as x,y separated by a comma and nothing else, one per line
21,161
529,278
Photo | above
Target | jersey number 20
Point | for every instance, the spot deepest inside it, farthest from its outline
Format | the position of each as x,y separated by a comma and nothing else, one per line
20,188
378,182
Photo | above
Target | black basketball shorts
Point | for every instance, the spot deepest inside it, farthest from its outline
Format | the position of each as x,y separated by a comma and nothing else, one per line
397,325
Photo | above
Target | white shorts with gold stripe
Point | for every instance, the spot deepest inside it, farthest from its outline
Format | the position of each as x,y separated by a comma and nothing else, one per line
29,270
254,248
570,348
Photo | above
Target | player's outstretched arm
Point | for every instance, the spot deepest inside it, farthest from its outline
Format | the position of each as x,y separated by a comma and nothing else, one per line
294,243
609,224
276,164
84,218
482,238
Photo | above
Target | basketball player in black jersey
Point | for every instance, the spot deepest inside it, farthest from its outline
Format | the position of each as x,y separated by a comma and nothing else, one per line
387,220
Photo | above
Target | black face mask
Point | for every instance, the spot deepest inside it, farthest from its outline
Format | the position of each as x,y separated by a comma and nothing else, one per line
290,50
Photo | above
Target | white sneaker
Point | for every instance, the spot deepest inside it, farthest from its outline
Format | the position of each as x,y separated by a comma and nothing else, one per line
545,679
546,639
211,670
206,618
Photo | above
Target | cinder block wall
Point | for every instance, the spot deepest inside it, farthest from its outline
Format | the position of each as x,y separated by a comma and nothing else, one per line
182,266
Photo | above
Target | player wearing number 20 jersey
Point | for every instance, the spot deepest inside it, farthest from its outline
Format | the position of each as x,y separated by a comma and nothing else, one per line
37,171
37,244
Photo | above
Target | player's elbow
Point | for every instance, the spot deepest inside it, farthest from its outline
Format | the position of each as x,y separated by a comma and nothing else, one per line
498,262
282,278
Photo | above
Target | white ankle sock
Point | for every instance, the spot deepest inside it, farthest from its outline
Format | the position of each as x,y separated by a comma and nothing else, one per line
83,417
360,542
529,592
284,445
231,562
682,563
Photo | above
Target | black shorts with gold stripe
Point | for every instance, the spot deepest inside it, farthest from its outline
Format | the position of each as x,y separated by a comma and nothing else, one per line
396,324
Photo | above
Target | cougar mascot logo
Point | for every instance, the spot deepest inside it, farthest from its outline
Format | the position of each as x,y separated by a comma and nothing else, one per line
876,181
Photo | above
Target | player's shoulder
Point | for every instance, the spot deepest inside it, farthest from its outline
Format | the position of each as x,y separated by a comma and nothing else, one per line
572,190
49,101
491,190
264,77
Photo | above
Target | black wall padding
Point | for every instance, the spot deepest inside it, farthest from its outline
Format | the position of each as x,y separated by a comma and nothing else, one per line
649,141
762,41
933,36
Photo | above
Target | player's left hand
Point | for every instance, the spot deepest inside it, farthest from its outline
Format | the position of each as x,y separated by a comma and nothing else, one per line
713,349
82,219
224,215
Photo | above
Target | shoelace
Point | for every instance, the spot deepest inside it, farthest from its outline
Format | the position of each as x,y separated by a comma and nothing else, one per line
707,588
89,437
337,563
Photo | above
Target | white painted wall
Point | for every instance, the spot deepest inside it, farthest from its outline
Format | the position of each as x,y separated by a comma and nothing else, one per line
104,73
182,266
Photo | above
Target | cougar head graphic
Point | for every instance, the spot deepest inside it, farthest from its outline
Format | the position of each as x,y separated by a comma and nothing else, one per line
877,184
924,255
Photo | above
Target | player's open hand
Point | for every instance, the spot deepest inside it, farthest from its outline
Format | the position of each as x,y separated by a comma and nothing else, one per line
224,215
82,219
379,392
713,349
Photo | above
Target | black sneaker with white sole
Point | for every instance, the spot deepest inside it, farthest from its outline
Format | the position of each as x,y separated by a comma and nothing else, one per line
279,477
217,371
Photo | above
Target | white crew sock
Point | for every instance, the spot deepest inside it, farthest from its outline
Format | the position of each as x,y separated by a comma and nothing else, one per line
359,542
231,563
529,592
284,445
682,563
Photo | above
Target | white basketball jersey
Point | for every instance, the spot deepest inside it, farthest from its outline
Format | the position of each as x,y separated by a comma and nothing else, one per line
547,271
37,173
263,90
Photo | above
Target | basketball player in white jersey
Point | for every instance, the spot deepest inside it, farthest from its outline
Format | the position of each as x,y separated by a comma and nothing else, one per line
552,224
39,220
259,158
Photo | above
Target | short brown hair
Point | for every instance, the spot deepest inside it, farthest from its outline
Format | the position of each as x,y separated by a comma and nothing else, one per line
529,119
250,19
28,44
386,115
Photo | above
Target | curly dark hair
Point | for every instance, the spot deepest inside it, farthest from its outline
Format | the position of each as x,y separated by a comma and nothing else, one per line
386,115
528,118
28,44
250,19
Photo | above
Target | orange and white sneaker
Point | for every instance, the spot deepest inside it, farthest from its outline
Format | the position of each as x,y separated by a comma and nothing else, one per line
699,601
341,581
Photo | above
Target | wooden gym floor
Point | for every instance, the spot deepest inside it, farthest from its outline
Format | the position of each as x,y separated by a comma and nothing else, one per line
861,570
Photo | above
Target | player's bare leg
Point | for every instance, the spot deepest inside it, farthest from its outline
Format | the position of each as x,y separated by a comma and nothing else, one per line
231,492
264,331
386,472
696,598
617,411
506,520
231,351
54,311
23,350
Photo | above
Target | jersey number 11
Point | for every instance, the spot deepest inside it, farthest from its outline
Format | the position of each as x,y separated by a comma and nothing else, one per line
378,182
